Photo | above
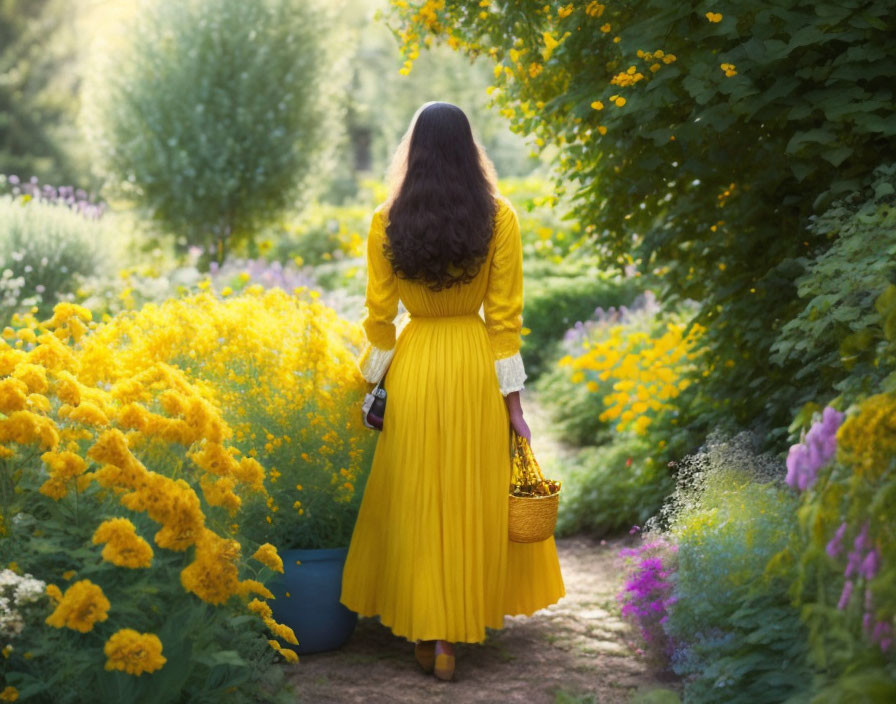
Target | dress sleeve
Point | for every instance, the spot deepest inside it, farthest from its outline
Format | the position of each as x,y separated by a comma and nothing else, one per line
503,304
381,304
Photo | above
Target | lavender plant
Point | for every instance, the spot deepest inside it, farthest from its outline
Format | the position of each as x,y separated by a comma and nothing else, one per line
647,594
76,199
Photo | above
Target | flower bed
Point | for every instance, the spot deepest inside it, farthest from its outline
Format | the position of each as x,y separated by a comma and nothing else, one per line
148,584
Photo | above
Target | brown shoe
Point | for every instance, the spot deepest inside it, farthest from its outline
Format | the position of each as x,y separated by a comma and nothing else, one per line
444,661
424,651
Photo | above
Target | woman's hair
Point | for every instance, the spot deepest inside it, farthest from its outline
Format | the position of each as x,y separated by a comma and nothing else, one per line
442,202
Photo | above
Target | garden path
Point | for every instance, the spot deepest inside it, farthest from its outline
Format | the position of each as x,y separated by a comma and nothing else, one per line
572,651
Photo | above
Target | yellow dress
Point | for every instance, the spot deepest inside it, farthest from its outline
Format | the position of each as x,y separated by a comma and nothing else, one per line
429,553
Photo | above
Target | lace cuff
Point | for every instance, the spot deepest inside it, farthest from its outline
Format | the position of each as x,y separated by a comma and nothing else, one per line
511,373
374,362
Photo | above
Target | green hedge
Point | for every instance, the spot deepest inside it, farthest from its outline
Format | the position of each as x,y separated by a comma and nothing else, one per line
554,302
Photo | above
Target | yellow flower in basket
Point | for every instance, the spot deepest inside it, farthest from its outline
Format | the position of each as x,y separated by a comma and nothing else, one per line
533,499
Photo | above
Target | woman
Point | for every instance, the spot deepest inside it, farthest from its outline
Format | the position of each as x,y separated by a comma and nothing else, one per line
430,553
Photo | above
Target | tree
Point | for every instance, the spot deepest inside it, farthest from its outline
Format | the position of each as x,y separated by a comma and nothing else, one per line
37,98
381,100
699,140
213,116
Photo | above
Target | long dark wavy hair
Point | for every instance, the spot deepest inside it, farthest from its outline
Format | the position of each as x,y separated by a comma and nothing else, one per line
442,200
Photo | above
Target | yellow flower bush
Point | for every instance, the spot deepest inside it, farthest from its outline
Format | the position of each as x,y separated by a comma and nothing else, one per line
867,440
282,370
638,373
118,464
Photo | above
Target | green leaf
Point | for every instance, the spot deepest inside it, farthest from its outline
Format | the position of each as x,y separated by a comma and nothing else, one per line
221,657
837,155
821,135
804,36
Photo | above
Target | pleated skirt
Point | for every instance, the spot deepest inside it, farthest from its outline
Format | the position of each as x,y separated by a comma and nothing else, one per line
429,553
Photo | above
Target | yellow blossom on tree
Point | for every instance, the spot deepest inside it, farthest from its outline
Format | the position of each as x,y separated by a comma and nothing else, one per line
549,44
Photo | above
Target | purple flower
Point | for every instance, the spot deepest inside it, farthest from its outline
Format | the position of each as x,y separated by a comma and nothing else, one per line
806,458
797,466
646,594
853,564
633,530
835,545
845,595
870,565
831,418
882,630
862,542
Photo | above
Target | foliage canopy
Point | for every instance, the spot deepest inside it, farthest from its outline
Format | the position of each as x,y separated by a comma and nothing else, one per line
699,144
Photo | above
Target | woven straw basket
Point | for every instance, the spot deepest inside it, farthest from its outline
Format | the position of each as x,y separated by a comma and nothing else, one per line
531,519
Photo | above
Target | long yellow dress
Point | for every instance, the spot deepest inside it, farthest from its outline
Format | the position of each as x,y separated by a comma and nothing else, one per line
429,553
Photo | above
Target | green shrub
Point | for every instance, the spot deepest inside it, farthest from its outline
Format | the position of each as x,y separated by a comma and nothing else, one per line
835,338
554,302
737,638
612,488
574,409
211,117
43,250
321,233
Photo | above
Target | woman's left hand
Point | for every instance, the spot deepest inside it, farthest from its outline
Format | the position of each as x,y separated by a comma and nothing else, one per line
521,427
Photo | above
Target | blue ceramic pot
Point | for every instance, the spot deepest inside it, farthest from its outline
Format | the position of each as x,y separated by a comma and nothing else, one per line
312,609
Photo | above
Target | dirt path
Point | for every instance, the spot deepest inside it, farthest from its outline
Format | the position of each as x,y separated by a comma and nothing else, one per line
575,647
